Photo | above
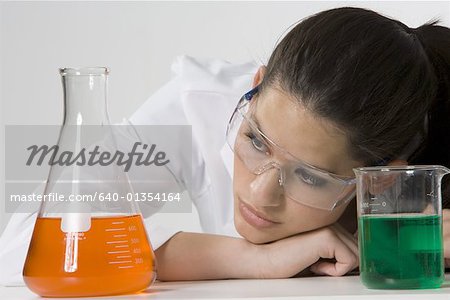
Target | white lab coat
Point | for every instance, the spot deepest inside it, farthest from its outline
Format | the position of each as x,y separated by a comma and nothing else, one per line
203,94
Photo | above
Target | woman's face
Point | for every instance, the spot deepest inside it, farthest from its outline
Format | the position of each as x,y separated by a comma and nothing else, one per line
262,211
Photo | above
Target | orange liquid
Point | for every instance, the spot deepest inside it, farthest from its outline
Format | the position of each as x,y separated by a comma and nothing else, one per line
113,257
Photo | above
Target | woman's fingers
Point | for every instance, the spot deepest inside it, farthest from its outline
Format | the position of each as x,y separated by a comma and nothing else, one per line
446,235
347,238
335,245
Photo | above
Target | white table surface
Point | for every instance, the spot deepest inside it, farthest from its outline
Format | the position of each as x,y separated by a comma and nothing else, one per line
348,287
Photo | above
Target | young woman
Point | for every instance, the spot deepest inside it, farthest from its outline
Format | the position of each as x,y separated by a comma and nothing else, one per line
344,88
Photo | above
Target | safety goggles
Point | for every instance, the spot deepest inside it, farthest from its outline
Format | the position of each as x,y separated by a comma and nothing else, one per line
301,181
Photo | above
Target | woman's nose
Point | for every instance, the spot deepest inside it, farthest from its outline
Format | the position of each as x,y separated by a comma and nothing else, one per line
265,189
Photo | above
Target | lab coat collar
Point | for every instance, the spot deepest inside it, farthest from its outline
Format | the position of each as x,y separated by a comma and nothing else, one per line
211,89
227,158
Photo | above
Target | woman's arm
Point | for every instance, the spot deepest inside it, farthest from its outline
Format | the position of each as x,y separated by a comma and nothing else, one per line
198,256
446,234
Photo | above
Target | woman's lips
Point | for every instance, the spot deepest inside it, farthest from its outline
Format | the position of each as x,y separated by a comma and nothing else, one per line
253,218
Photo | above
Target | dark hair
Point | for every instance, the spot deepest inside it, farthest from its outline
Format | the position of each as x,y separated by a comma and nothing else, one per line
385,84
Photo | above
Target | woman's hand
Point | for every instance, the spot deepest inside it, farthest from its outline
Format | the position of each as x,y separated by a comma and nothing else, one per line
287,257
339,268
446,228
201,256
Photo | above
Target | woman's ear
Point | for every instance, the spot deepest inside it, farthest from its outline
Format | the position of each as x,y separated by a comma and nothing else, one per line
257,79
378,185
398,162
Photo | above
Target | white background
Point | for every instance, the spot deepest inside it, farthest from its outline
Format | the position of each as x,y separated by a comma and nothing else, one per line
138,42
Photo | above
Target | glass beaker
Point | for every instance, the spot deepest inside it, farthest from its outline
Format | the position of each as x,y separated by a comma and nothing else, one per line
91,241
400,226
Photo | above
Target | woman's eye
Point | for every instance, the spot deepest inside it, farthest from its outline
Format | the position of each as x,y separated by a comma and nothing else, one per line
257,143
309,178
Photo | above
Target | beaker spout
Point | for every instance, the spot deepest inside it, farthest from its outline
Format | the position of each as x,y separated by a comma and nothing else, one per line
442,171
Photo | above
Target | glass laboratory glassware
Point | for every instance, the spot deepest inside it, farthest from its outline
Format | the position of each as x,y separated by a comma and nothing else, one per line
95,244
400,226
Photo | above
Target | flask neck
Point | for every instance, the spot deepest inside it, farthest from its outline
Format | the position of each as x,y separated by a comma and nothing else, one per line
85,92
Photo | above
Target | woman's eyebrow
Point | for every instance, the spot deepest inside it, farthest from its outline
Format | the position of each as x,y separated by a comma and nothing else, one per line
265,136
258,125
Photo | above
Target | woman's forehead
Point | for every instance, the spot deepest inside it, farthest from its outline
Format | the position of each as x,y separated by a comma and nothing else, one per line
300,132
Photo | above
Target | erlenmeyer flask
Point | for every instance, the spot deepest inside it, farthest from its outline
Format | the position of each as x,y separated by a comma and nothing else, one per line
91,241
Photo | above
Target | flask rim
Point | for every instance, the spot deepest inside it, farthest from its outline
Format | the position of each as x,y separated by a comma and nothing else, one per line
80,71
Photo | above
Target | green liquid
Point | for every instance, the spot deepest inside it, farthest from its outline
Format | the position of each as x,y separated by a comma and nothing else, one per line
401,252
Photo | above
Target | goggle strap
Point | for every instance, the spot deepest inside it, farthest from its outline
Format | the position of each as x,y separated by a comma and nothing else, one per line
249,95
